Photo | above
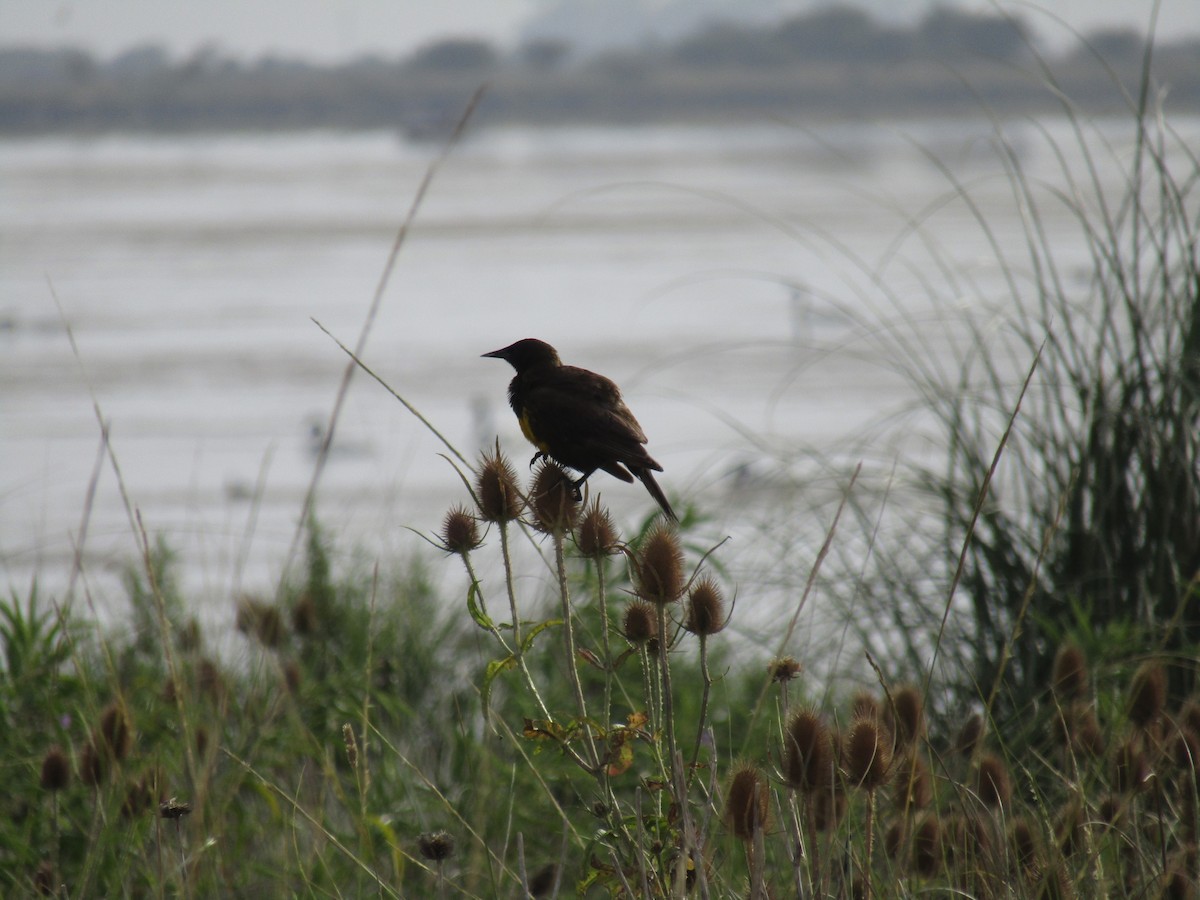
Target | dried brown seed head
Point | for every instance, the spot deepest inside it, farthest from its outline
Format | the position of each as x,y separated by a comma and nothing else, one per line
660,566
115,732
864,705
597,535
1069,677
436,846
808,754
552,498
500,499
868,754
993,784
706,607
746,807
460,531
56,769
969,736
641,622
784,669
909,714
1147,694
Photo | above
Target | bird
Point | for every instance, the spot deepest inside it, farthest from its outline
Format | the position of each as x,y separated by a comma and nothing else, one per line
577,418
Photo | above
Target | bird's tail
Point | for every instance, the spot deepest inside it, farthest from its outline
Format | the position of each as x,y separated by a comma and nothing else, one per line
647,478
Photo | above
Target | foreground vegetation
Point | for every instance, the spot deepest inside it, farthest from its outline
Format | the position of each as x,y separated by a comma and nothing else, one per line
576,718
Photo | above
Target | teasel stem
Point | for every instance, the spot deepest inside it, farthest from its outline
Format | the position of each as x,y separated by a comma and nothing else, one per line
868,886
668,713
707,679
508,585
564,592
602,599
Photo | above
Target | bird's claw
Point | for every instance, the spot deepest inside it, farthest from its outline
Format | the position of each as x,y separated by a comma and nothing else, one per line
537,456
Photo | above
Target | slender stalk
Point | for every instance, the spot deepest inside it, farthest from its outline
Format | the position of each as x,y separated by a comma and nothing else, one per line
569,639
668,712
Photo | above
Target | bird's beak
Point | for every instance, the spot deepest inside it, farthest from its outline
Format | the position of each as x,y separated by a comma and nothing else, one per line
495,354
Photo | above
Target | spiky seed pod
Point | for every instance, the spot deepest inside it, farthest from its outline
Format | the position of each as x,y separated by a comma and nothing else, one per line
1189,714
1069,827
706,607
56,770
1069,677
174,809
436,846
909,714
913,785
1109,809
552,498
1129,767
500,499
91,765
784,669
1185,751
1147,694
641,622
542,882
460,531
116,732
808,754
1087,739
864,705
1022,843
45,879
926,846
597,535
868,754
304,615
660,566
969,736
260,620
746,807
993,784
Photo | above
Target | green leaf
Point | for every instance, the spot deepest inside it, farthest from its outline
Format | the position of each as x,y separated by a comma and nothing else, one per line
535,631
494,668
475,608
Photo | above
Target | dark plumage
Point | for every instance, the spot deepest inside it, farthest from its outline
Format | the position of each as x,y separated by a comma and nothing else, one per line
577,418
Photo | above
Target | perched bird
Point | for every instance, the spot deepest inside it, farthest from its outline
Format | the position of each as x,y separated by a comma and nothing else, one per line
577,418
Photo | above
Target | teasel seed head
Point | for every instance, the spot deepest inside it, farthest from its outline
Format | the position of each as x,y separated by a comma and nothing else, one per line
909,714
552,498
641,622
1022,844
304,615
436,846
260,620
969,736
460,531
597,535
1069,678
1147,694
926,846
660,566
706,607
91,765
808,755
500,499
1129,767
784,669
746,804
864,705
993,784
1087,738
541,883
912,783
115,730
868,754
56,770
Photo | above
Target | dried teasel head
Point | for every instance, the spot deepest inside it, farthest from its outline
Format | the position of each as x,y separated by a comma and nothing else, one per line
1069,677
552,499
597,535
705,608
867,754
864,705
640,623
436,846
808,764
659,566
784,669
909,714
499,497
115,732
926,846
460,531
1147,694
56,769
746,807
993,784
969,736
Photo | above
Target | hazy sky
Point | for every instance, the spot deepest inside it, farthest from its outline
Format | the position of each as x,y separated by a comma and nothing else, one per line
336,29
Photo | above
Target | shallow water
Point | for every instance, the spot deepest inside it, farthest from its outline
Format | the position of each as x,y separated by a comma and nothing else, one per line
737,282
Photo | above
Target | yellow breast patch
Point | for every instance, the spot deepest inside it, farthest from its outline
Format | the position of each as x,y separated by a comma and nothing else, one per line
527,430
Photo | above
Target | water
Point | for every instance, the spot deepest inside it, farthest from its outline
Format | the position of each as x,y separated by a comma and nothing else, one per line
723,276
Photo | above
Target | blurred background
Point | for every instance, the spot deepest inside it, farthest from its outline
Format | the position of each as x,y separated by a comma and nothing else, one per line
722,206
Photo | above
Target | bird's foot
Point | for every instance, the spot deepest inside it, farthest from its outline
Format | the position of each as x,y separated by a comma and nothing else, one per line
537,456
578,486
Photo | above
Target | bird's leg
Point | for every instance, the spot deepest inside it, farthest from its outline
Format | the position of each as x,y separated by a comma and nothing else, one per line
578,485
534,460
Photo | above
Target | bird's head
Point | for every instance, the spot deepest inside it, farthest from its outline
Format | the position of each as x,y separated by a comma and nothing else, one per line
527,353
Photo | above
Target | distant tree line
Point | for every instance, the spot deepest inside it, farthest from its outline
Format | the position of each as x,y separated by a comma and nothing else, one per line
835,61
